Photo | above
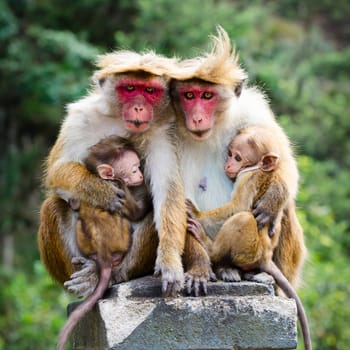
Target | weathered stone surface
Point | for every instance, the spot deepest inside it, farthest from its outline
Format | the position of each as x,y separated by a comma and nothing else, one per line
243,315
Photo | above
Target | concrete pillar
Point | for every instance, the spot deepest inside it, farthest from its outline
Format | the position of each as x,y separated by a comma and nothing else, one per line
134,316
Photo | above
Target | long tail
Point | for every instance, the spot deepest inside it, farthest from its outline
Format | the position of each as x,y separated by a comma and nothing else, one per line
284,284
85,306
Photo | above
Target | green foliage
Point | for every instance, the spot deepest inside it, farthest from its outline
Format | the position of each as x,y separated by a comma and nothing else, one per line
327,276
297,52
32,310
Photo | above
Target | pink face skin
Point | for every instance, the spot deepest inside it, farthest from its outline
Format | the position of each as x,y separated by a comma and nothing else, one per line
199,104
138,98
238,158
126,168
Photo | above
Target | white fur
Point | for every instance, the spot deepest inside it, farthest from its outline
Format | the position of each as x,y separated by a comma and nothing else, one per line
207,158
69,236
159,168
88,121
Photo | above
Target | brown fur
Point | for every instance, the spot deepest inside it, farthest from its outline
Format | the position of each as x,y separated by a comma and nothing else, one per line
235,111
96,116
104,237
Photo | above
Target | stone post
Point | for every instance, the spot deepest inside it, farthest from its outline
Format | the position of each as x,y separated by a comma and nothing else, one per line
134,316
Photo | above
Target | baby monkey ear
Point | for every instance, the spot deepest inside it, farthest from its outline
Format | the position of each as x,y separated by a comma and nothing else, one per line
105,171
269,161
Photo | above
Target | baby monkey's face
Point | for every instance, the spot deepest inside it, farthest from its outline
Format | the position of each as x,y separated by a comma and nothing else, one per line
127,168
240,155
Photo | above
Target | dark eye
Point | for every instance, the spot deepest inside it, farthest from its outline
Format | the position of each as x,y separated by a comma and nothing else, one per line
189,95
229,153
207,95
149,90
129,88
238,158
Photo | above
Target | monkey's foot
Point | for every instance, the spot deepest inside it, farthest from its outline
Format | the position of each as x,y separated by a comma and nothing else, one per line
228,274
194,281
261,277
119,276
83,282
172,279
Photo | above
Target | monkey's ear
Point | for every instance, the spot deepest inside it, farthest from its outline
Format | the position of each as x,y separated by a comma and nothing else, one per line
105,171
239,87
101,81
269,161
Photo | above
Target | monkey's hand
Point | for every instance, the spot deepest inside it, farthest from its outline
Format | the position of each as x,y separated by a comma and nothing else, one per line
84,281
172,275
191,209
267,208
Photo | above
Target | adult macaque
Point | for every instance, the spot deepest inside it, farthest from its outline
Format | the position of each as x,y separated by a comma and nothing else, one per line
253,160
101,235
212,104
130,100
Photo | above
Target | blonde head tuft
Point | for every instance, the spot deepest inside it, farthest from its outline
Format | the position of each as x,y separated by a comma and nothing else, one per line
128,61
219,66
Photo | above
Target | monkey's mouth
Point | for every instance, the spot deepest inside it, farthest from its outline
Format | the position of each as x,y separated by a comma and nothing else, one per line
200,134
137,125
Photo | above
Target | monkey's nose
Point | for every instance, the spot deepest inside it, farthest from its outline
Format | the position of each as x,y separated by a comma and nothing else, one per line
138,108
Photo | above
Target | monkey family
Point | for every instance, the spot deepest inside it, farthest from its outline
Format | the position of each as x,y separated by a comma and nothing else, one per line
180,116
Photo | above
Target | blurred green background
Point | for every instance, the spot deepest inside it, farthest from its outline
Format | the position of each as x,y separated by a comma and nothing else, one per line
297,51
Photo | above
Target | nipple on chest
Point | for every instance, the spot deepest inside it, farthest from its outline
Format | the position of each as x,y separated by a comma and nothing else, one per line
203,183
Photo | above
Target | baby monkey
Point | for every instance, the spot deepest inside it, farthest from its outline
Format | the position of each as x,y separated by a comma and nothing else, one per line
252,158
102,235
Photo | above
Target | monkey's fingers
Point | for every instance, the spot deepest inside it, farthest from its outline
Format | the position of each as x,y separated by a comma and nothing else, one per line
196,283
86,267
212,277
191,210
170,289
80,287
193,227
228,274
78,261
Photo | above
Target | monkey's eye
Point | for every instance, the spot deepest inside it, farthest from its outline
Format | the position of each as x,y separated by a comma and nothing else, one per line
189,95
130,88
207,95
229,153
238,158
149,90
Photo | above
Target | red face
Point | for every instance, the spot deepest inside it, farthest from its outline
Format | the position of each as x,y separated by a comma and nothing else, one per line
199,105
139,97
239,157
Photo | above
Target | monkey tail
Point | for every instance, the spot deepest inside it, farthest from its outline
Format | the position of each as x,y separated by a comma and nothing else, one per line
85,306
287,288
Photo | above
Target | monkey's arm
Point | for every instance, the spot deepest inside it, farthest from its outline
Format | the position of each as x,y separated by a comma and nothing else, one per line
73,180
267,208
242,200
136,210
171,226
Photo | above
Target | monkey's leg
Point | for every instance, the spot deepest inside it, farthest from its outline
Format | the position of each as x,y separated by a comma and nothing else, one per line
53,249
290,252
140,259
196,258
236,244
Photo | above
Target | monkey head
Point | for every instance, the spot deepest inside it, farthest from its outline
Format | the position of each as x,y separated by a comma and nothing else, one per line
126,168
203,86
135,86
251,149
